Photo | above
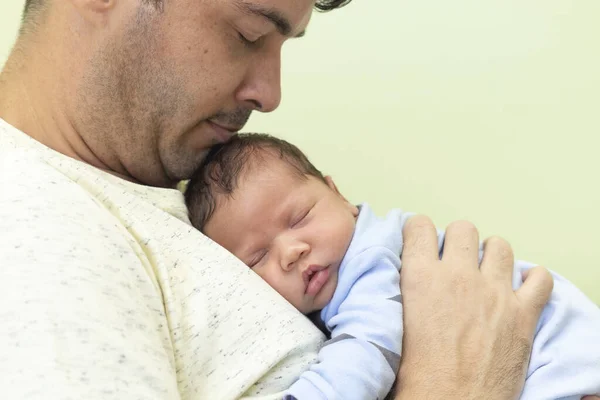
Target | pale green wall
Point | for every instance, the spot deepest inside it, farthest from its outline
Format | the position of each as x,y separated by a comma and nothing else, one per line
10,18
488,111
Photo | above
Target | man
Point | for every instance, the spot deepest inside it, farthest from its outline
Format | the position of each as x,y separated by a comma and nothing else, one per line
108,293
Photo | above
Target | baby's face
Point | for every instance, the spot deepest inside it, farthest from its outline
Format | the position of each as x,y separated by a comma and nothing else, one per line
291,231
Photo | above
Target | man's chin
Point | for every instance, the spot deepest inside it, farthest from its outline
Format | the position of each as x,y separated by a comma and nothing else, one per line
182,168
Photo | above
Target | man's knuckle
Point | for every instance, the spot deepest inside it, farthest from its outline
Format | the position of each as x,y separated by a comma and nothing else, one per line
461,283
413,278
500,247
496,241
419,221
463,227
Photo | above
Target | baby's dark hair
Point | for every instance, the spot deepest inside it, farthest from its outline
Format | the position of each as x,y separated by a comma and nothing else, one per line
224,165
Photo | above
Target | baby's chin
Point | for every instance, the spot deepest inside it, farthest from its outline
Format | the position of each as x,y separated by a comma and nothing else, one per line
324,296
315,305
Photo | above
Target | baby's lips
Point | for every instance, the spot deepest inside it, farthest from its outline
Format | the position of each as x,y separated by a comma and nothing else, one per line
309,272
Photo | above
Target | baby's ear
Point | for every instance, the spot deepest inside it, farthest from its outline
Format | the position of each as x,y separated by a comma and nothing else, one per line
353,209
331,184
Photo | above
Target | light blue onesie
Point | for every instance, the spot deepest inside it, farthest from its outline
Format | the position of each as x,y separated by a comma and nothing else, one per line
365,319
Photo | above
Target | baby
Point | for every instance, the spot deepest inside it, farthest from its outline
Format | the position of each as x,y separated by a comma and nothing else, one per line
260,198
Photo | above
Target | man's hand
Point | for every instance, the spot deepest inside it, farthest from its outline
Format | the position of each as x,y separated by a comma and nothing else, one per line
467,334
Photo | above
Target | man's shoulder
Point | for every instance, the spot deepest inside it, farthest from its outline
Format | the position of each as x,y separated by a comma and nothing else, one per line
24,169
47,219
21,169
34,193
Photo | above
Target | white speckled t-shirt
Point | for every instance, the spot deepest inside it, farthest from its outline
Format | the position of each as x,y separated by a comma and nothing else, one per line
107,292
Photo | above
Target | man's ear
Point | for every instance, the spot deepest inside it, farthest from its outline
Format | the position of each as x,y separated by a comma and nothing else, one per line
353,209
94,11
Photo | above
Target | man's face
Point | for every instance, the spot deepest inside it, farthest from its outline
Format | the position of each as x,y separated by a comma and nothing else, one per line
170,82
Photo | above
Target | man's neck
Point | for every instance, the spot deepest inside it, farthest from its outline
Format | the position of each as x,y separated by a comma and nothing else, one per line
35,99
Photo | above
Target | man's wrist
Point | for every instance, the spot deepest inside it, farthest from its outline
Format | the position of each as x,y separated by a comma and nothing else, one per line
434,388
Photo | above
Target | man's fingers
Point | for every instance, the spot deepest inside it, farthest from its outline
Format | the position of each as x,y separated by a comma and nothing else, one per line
461,244
420,239
498,260
536,289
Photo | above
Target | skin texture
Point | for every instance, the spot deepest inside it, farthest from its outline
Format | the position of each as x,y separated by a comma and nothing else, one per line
130,88
280,224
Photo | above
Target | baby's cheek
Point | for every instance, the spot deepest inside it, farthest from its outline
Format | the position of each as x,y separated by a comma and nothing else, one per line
280,286
266,276
327,293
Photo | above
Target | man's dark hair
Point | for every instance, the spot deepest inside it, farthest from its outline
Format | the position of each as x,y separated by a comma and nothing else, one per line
225,164
328,5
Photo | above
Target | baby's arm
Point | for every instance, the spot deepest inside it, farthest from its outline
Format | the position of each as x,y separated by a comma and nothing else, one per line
361,359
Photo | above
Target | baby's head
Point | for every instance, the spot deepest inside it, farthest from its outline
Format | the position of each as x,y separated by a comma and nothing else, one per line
260,198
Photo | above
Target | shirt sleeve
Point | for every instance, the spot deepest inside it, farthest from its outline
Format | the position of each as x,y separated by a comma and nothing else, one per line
362,357
565,359
81,316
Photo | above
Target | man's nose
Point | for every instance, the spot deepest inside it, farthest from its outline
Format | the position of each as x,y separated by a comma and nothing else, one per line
261,90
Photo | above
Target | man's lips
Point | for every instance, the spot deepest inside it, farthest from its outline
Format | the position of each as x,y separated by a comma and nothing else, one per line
315,277
223,133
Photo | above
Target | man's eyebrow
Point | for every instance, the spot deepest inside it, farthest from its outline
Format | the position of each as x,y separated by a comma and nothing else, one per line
275,17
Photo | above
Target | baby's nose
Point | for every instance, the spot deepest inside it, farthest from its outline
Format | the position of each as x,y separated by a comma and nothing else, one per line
293,254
